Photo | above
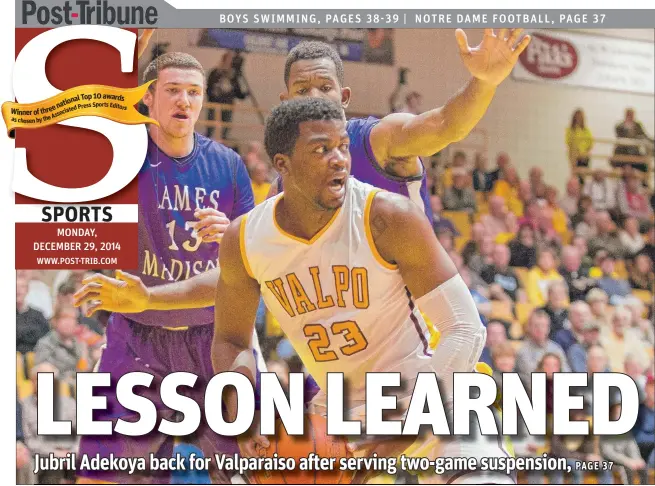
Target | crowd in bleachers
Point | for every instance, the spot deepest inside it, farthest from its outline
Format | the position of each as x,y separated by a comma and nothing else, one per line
562,283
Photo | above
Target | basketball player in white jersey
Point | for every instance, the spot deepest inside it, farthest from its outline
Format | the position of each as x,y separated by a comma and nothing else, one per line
344,268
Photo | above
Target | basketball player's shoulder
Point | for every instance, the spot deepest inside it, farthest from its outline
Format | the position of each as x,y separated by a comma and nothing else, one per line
393,207
356,126
213,149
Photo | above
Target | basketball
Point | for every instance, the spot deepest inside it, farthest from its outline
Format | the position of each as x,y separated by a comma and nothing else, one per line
314,440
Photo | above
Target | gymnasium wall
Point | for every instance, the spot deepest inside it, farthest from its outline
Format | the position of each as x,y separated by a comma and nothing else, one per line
527,120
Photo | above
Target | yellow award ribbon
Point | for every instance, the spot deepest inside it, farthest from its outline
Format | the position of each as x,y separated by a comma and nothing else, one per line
115,104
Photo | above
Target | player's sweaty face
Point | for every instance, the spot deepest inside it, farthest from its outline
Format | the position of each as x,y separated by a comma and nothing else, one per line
315,78
320,164
177,101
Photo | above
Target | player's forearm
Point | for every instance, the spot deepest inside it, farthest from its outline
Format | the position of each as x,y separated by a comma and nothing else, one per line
228,356
194,293
429,132
452,310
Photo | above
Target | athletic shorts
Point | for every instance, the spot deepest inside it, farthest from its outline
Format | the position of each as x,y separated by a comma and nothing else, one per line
158,351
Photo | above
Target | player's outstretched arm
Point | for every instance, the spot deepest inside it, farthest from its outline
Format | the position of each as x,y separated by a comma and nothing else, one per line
402,136
127,293
403,236
142,43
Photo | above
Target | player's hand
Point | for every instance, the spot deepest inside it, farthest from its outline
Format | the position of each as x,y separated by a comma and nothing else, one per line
125,293
251,444
211,225
142,43
494,58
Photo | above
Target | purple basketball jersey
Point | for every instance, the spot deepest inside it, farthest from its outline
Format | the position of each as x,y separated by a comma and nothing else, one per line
170,191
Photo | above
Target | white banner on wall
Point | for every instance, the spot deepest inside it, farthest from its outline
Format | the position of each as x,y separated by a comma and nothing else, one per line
589,61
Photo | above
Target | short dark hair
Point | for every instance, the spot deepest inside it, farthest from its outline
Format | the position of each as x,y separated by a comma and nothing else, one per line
283,124
180,60
308,50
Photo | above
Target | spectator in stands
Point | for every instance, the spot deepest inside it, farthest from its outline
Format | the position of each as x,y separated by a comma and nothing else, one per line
508,189
569,203
537,184
578,448
446,238
498,272
616,288
644,429
522,249
536,344
578,314
572,338
607,237
458,162
460,197
630,238
632,200
260,181
556,306
254,154
224,87
545,231
472,247
30,323
601,191
581,244
438,221
541,276
44,445
39,293
623,451
475,281
584,203
598,300
60,346
558,218
530,214
634,368
550,363
575,275
587,228
496,334
630,128
24,468
649,248
641,273
503,357
643,328
525,196
482,179
483,257
579,141
502,161
621,340
499,220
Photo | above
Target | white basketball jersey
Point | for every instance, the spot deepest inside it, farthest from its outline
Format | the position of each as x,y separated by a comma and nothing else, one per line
343,308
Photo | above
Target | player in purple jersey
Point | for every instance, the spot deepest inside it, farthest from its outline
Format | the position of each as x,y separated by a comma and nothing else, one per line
190,187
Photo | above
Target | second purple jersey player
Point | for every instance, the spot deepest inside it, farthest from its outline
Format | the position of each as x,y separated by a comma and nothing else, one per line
189,186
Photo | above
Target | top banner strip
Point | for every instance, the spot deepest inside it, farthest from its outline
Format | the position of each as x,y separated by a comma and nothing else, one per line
152,13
